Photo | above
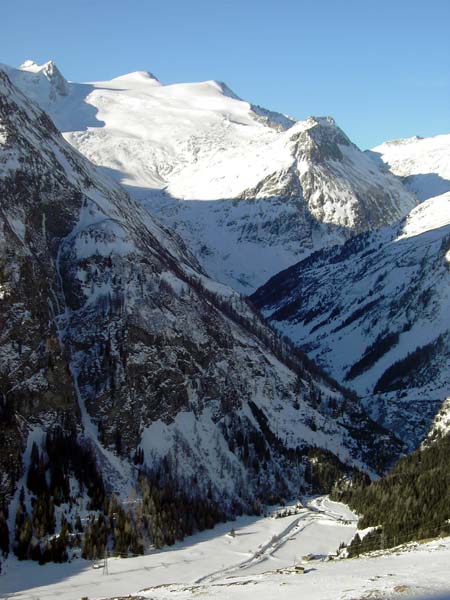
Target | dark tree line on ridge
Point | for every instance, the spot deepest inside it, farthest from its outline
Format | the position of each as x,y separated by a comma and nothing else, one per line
410,503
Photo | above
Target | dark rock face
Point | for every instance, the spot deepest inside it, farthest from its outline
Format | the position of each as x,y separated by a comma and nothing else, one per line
35,212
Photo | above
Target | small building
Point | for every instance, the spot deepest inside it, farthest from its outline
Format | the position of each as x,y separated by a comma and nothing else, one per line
308,557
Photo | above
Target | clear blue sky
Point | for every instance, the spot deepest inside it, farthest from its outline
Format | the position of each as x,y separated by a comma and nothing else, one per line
380,67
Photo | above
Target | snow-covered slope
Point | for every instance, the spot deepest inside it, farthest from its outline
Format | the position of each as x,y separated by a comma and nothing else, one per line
258,559
109,321
423,163
375,313
235,180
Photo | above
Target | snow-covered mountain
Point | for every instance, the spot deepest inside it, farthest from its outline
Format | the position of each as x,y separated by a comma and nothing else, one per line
422,163
375,313
250,191
109,324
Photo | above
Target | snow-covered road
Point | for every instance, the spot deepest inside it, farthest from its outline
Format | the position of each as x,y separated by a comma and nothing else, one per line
303,534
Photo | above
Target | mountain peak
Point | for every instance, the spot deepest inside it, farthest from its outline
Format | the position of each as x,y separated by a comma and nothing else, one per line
224,89
34,67
142,76
325,136
29,65
51,72
400,142
324,121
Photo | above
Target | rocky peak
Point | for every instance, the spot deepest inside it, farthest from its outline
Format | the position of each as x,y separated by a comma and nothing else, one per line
49,70
317,139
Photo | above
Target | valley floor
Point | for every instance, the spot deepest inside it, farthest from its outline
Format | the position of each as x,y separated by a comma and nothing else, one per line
258,559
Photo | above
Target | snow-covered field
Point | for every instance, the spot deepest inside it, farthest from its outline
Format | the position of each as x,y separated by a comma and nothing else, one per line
258,559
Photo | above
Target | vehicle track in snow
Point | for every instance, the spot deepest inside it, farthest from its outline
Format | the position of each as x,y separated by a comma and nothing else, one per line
315,510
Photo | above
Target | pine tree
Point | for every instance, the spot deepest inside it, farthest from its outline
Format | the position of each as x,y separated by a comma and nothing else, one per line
4,533
23,534
78,524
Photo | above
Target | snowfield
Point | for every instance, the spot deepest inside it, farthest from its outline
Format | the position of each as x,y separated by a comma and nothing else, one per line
233,179
258,559
424,163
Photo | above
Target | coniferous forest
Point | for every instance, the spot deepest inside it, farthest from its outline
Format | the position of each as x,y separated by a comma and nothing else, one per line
64,509
63,473
412,502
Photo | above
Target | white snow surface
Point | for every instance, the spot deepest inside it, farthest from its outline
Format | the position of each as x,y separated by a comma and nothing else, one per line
191,151
258,559
423,162
441,423
431,215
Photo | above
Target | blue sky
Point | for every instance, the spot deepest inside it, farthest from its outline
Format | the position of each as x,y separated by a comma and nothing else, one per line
380,68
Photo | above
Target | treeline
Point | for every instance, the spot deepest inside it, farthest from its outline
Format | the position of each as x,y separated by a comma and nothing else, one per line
63,477
33,535
49,471
382,345
114,530
170,514
161,516
410,503
324,470
408,368
281,346
51,474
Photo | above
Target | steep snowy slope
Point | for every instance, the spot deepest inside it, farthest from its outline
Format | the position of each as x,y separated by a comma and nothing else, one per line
109,322
423,163
375,313
233,179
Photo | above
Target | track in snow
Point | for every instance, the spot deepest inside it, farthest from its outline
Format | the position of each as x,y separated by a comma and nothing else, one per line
316,510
